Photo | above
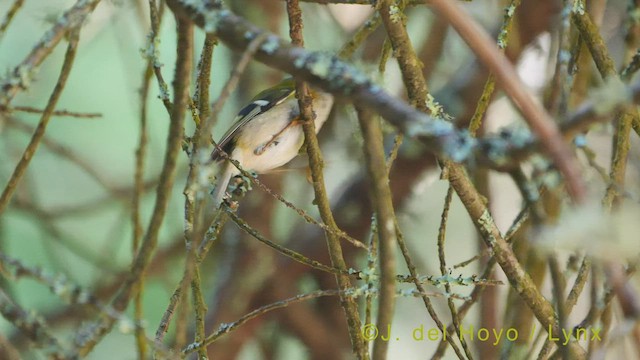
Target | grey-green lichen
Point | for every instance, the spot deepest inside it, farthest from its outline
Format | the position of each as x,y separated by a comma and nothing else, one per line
340,75
509,11
485,221
270,45
502,38
426,125
213,14
580,141
249,35
456,145
409,292
497,147
61,287
609,96
361,291
125,326
23,76
436,109
164,92
151,52
212,19
545,174
578,7
369,275
395,14
320,67
460,147
191,347
564,56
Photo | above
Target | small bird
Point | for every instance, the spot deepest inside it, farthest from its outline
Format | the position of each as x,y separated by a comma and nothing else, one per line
267,133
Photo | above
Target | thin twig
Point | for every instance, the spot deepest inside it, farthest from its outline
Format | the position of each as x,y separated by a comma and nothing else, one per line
73,114
30,325
359,36
229,327
504,255
489,86
293,255
231,83
138,190
537,118
343,79
28,153
152,52
193,196
443,270
17,4
20,77
316,165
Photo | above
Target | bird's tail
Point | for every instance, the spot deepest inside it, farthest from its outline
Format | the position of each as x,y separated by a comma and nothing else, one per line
223,182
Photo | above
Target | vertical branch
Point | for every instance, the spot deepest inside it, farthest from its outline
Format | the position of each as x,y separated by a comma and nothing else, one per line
621,137
490,85
488,313
164,191
557,99
184,308
138,189
201,95
200,309
193,191
518,278
207,232
559,285
372,263
537,118
606,67
418,93
155,14
597,47
443,270
316,164
386,220
393,20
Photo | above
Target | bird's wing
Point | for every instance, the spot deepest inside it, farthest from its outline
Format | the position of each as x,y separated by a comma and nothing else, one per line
259,104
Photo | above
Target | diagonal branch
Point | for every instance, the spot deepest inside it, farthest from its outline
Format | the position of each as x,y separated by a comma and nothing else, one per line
343,79
28,153
535,115
21,75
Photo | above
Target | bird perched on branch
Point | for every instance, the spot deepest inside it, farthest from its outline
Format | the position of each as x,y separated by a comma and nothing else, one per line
267,133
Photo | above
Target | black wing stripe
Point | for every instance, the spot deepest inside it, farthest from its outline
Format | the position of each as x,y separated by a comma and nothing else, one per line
247,113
